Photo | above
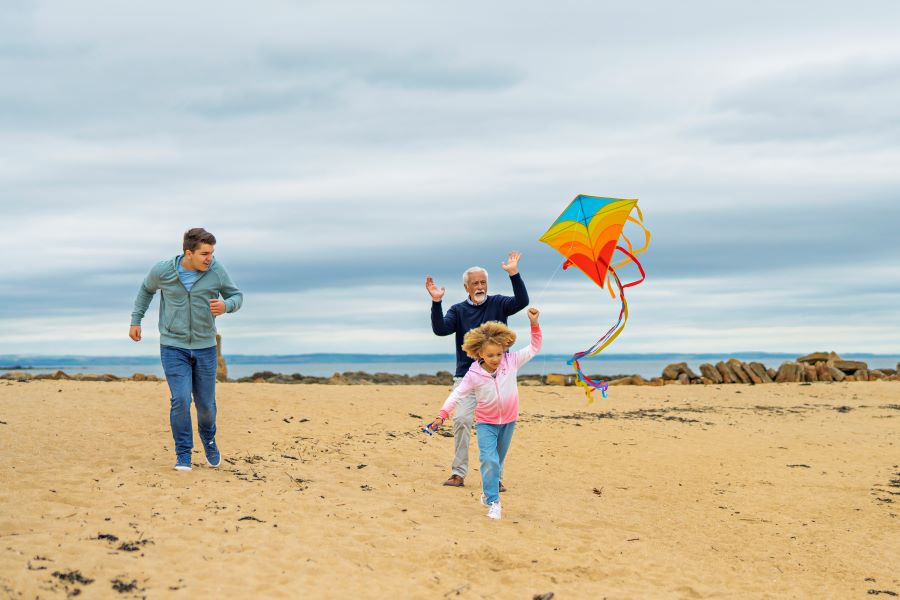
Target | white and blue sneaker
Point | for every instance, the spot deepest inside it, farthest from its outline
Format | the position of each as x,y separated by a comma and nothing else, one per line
183,463
484,501
494,511
213,456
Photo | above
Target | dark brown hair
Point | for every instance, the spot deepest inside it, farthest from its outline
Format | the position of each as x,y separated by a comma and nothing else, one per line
196,236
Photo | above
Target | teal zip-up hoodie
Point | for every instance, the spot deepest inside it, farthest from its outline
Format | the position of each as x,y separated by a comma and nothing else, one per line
185,320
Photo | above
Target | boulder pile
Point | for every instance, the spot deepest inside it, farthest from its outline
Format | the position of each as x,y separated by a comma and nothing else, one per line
60,375
818,366
352,378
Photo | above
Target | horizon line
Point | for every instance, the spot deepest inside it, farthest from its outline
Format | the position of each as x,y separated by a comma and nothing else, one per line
434,355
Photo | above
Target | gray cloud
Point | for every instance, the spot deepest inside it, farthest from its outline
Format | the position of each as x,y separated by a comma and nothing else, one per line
839,234
340,159
420,71
855,98
261,101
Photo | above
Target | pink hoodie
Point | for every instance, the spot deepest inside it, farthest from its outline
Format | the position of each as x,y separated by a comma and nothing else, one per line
497,394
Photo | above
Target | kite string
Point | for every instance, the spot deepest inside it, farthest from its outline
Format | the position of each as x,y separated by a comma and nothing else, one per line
559,265
549,281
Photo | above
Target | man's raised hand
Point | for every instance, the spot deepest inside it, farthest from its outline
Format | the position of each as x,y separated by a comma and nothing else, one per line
436,293
511,265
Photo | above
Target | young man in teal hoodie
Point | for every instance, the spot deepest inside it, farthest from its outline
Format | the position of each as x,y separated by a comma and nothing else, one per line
190,287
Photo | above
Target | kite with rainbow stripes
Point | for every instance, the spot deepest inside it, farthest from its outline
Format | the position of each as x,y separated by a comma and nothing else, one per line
589,234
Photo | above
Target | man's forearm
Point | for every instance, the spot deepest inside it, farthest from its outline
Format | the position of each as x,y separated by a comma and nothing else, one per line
141,303
519,291
438,323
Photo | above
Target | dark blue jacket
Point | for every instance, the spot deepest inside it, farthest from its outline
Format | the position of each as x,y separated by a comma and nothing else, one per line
464,316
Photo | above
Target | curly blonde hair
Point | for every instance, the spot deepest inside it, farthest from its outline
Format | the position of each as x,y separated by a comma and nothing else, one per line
492,332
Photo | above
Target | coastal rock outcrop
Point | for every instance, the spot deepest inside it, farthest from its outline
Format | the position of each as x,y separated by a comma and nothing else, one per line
760,371
836,374
849,366
679,373
737,367
818,356
630,380
351,378
559,379
221,367
754,377
727,374
789,372
711,373
18,375
674,370
823,373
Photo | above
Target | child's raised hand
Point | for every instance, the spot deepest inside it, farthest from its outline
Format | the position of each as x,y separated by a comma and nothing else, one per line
533,315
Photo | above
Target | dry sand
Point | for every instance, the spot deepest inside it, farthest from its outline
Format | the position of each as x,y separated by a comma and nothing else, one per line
778,491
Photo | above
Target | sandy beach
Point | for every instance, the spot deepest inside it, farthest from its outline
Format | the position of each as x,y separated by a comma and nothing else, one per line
681,491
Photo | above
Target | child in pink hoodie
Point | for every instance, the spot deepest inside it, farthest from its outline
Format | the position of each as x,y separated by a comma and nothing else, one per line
493,379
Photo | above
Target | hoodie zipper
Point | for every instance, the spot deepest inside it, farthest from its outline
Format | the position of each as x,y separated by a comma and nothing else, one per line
190,300
494,376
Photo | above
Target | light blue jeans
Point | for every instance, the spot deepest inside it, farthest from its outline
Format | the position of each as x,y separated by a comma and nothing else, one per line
190,372
493,443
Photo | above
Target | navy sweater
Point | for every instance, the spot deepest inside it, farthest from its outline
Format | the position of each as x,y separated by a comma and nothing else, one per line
464,316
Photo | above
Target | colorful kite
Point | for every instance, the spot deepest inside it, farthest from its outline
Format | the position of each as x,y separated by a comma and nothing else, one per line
588,234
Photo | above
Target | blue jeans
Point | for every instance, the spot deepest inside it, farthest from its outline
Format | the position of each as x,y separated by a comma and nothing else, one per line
493,443
187,372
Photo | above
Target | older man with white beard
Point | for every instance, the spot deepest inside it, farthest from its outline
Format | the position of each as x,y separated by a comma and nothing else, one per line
476,309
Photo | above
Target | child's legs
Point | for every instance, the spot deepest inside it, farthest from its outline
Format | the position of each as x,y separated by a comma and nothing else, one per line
490,460
504,439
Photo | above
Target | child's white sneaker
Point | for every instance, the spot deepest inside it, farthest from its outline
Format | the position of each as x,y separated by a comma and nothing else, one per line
484,501
494,511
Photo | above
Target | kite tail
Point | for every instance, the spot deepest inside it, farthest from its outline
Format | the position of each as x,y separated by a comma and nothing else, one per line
588,384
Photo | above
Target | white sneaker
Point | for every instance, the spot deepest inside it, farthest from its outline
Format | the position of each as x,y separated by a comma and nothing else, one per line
494,511
484,501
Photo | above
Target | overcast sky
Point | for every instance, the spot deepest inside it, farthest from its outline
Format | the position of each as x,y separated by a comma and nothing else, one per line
340,151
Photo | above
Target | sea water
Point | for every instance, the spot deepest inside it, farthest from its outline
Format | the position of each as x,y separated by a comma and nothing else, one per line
325,365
